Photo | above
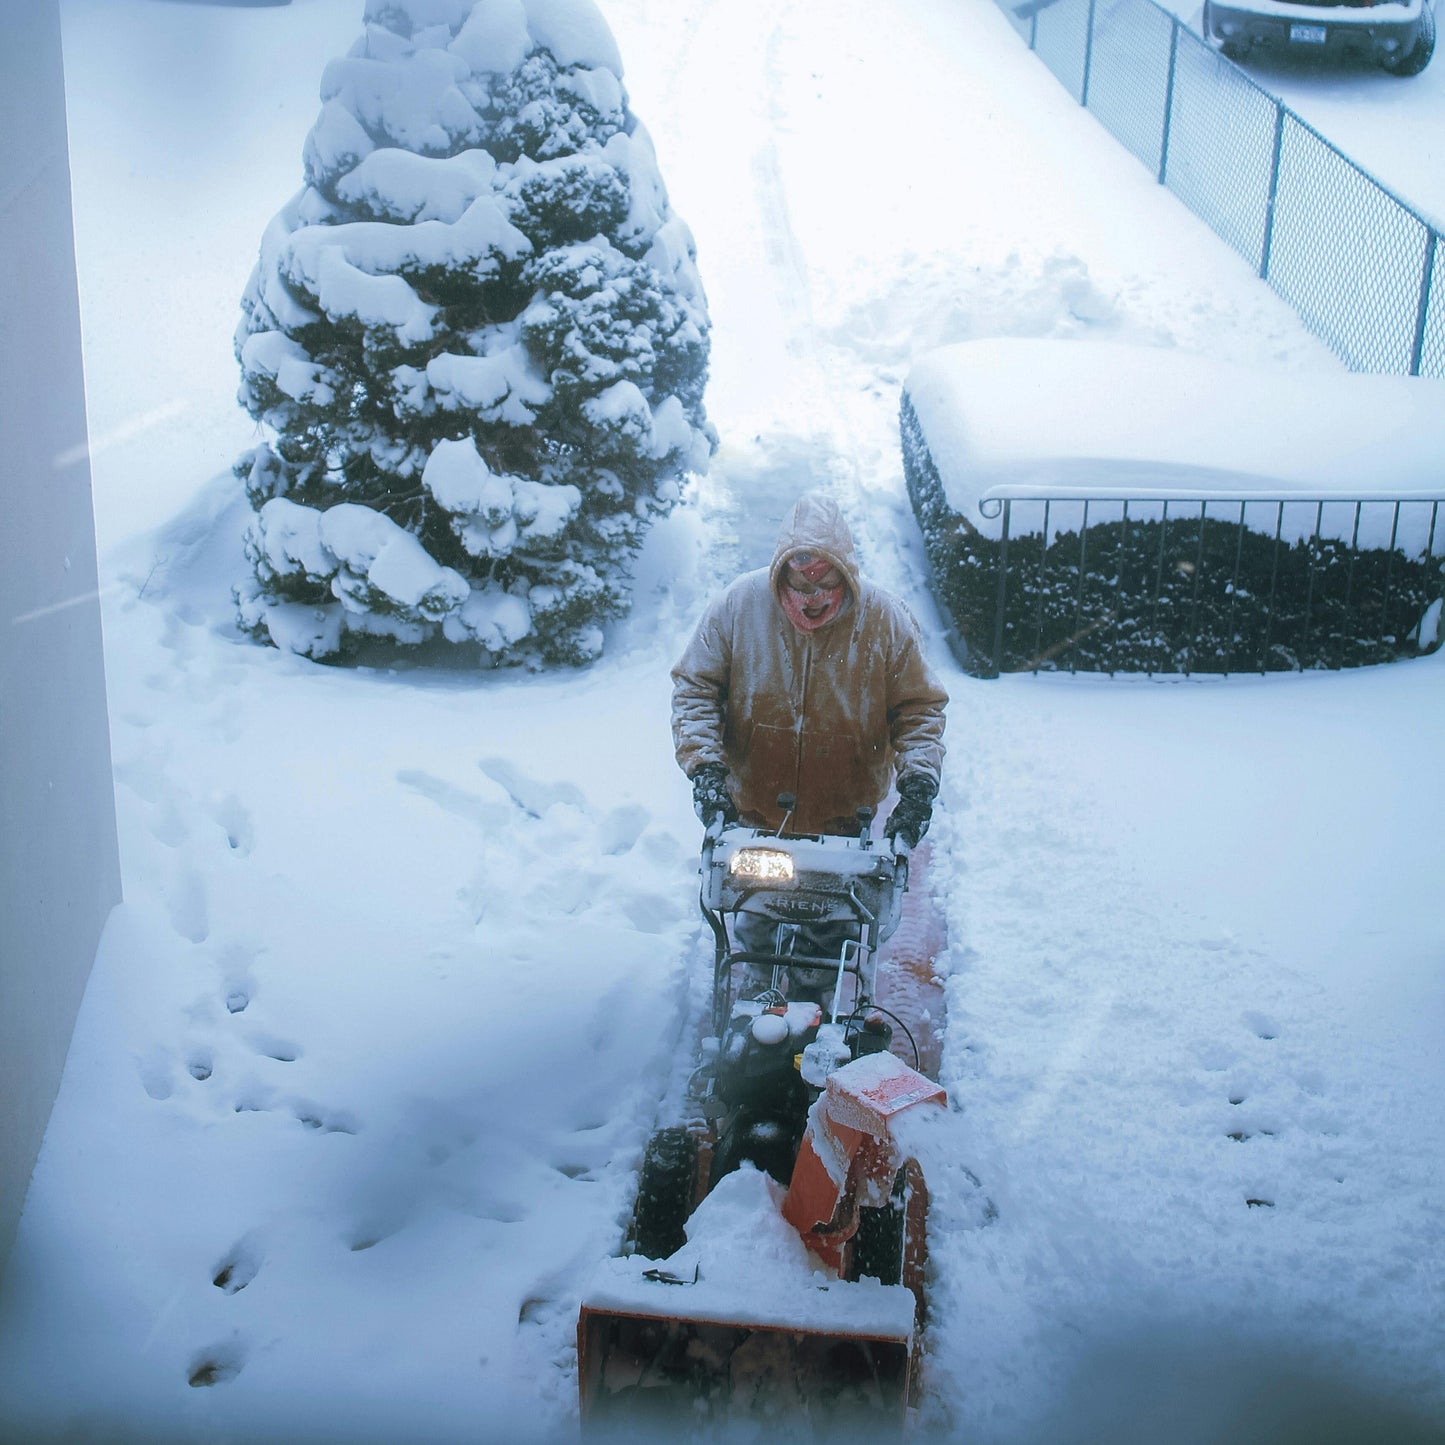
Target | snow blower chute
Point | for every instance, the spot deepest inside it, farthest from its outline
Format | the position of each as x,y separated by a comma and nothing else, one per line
775,1260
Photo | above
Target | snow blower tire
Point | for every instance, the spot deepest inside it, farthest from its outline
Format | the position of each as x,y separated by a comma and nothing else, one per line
665,1193
880,1241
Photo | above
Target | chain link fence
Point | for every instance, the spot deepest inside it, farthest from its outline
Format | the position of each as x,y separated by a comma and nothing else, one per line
1364,271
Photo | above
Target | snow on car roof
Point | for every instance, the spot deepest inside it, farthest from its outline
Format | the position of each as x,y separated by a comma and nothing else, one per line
1032,418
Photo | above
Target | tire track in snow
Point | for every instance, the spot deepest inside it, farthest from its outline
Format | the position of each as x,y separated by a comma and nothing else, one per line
780,242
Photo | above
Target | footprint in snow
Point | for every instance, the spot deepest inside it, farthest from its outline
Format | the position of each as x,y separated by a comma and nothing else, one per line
238,985
270,1047
1246,1120
325,1121
216,1365
156,1075
533,796
186,904
239,1267
454,800
1262,1026
232,817
259,1100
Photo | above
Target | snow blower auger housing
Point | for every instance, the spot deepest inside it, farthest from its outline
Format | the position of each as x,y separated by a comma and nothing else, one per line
775,1259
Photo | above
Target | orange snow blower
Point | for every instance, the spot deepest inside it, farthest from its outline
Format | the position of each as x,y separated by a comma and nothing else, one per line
775,1259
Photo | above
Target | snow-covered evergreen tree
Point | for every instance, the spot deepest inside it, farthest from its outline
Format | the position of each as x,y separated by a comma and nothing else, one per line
477,341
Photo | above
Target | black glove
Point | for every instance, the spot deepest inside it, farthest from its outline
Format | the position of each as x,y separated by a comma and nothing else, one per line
710,795
910,819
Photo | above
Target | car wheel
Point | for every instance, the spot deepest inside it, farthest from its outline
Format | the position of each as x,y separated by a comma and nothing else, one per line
1417,57
1205,22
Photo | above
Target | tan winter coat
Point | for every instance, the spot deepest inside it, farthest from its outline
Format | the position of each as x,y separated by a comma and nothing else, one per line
829,716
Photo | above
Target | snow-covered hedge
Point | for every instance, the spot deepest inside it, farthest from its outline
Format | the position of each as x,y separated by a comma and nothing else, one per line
1167,514
476,339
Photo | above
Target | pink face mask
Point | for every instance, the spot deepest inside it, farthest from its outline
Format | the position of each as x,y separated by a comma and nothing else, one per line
811,606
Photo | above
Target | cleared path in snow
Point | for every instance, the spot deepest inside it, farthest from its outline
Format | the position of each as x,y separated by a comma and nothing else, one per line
1157,1021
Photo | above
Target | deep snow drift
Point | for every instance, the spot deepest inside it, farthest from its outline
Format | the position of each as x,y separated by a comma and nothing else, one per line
409,958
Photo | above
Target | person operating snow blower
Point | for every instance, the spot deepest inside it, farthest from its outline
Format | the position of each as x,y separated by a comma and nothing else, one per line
806,679
800,699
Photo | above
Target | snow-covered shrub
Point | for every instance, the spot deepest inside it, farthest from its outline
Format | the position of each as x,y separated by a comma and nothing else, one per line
476,339
1186,593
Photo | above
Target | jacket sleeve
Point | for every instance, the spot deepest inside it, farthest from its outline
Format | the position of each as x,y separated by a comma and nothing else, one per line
700,692
916,702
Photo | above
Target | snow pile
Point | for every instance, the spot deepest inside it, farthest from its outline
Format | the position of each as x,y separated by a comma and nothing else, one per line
1015,418
744,1264
481,321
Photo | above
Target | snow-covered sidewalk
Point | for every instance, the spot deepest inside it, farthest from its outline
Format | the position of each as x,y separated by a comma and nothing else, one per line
1195,1031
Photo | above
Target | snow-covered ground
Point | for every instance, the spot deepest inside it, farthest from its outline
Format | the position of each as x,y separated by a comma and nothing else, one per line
374,1044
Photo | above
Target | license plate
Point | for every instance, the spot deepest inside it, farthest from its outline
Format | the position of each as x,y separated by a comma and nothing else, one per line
1308,34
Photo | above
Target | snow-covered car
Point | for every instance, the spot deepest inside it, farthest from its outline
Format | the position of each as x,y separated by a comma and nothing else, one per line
1398,35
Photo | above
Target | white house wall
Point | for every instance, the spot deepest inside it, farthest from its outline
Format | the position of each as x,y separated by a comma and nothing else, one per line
59,871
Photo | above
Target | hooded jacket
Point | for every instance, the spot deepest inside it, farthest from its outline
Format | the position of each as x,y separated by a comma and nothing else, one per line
830,716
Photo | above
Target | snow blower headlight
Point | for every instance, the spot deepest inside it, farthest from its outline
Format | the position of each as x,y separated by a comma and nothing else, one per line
762,865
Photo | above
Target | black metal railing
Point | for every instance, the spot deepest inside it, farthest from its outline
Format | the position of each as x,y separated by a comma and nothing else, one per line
1364,270
1234,583
1160,585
